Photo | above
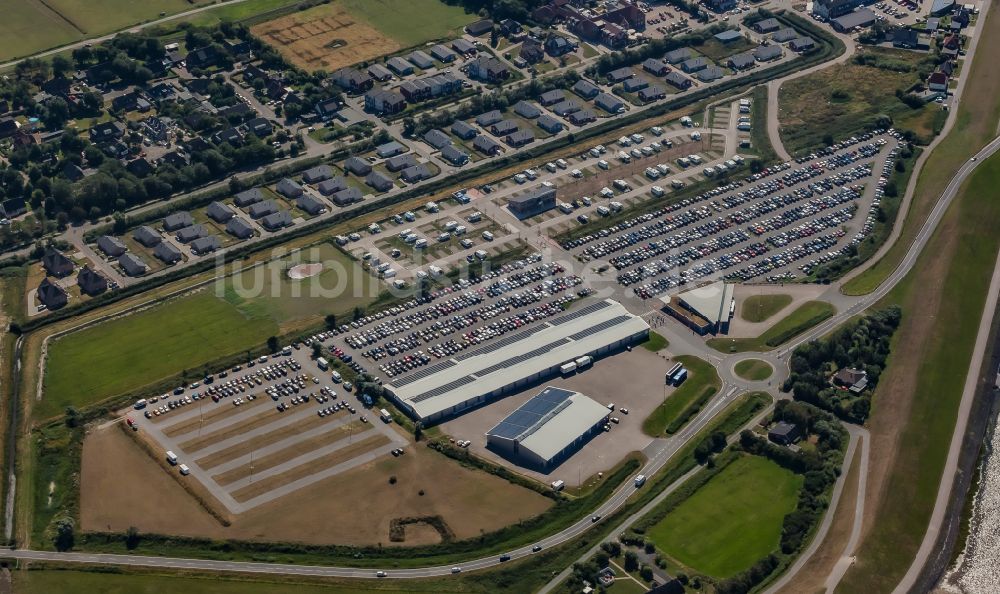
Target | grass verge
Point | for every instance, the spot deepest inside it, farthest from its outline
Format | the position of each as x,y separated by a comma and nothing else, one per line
701,384
803,318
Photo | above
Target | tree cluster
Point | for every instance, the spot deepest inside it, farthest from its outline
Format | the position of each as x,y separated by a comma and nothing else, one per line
862,344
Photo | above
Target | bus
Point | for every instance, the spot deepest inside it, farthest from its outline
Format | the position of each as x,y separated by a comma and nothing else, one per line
673,371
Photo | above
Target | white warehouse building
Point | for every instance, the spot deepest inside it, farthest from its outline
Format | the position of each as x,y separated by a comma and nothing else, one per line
513,362
546,430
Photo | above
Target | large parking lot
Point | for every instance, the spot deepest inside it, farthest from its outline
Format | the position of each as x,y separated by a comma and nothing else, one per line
773,226
265,429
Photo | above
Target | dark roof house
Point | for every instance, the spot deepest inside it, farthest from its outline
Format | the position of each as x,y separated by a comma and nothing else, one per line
51,295
91,282
56,264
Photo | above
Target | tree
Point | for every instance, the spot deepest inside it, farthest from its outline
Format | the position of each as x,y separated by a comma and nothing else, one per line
61,65
132,538
72,417
631,561
418,431
359,313
612,548
331,321
64,537
317,350
646,573
272,344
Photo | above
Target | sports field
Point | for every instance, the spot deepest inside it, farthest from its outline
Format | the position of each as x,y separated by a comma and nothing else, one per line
127,353
733,520
342,33
30,26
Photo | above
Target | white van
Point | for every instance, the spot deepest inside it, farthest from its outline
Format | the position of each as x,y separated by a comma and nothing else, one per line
171,458
185,470
487,236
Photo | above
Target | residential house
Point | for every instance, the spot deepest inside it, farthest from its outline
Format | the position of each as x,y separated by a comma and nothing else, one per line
712,73
190,233
652,93
609,103
277,220
556,45
147,236
262,209
177,220
51,295
619,75
436,138
634,85
228,135
357,166
768,25
347,196
204,57
783,35
586,89
168,253
802,44
383,102
454,155
679,55
488,69
655,67
139,167
10,126
742,61
766,53
416,173
219,212
131,101
106,132
443,53
464,130
132,265
678,80
204,245
389,149
248,197
239,228
332,186
549,124
527,109
463,47
420,59
531,52
552,97
91,282
73,172
14,207
379,181
855,380
938,81
520,138
489,118
486,145
111,246
310,205
288,188
695,64
317,174
503,128
400,162
56,264
511,29
327,109
400,66
478,28
784,433
379,73
415,90
729,36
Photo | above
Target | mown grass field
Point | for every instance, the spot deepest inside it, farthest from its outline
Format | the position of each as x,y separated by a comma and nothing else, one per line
29,27
848,99
753,369
757,308
411,22
733,520
101,16
702,382
127,353
803,318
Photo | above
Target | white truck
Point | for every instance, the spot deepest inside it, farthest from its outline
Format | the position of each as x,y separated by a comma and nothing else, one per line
322,363
171,458
567,368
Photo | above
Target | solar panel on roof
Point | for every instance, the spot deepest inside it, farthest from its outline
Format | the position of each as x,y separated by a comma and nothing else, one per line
468,379
425,372
599,328
583,311
532,414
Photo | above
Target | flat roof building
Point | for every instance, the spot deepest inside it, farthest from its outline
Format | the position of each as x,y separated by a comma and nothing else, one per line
547,429
533,202
516,361
705,309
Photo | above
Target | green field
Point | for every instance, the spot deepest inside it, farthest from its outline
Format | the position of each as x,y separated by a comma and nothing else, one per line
267,292
803,318
93,582
733,520
754,370
701,384
411,22
130,352
655,342
848,99
30,26
757,308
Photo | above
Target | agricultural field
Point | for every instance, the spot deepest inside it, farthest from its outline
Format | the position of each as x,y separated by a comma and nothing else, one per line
702,383
330,36
758,308
701,532
839,102
803,318
30,26
127,353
